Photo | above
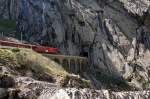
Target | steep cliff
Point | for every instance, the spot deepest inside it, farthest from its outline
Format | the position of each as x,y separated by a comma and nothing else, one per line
113,34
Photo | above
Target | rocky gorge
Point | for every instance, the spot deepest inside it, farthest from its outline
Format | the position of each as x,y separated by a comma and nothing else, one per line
113,34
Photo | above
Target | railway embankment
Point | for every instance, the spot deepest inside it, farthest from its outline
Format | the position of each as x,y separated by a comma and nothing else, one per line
16,62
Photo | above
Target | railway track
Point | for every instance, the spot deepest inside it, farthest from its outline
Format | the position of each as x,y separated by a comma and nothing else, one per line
37,48
74,64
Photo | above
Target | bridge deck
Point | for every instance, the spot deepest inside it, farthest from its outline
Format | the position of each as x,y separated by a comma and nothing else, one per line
65,56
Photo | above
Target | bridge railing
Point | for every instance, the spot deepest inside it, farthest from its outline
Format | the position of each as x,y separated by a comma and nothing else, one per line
8,34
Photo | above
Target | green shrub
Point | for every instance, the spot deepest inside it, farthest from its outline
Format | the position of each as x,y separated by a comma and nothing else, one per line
7,25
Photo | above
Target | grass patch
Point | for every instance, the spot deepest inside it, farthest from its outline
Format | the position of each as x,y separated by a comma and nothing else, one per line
7,25
42,68
146,85
8,58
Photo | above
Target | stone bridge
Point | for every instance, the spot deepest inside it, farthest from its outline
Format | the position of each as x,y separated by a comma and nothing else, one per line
73,64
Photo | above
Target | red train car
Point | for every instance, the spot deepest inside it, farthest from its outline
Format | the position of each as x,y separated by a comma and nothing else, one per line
37,48
44,49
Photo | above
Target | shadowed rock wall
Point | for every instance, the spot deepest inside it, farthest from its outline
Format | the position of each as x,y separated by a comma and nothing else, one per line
113,34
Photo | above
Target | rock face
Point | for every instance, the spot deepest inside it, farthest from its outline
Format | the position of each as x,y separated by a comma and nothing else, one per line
3,93
113,34
28,88
9,9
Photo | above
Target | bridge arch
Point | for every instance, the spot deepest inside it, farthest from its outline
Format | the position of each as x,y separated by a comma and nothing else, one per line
72,65
66,64
84,65
78,65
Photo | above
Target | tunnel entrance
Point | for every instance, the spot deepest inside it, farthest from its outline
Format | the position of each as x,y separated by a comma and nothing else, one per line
84,52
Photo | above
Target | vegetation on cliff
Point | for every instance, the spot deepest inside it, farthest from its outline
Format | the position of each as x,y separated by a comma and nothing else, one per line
24,62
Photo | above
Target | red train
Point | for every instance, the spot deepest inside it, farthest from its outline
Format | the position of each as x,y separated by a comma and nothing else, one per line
37,48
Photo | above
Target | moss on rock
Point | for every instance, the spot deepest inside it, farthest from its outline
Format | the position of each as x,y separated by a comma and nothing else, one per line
7,58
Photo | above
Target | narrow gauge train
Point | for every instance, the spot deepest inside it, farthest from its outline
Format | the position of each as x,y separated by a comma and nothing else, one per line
37,48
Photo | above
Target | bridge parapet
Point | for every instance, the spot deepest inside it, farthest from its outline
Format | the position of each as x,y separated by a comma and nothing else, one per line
73,64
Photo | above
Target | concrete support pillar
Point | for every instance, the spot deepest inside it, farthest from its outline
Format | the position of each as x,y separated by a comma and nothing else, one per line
69,66
87,66
66,64
83,65
73,65
77,66
80,67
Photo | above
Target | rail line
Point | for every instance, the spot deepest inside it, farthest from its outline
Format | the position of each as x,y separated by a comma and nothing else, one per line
37,48
73,64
